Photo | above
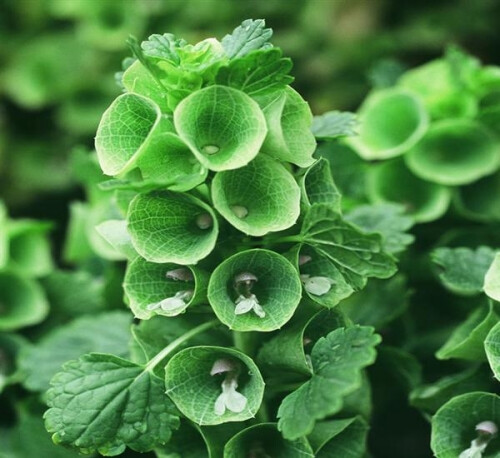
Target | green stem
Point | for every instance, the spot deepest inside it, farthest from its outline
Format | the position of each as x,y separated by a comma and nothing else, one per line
243,341
262,415
177,342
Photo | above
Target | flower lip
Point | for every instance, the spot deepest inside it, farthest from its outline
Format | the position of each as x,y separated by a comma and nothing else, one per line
245,304
174,304
318,286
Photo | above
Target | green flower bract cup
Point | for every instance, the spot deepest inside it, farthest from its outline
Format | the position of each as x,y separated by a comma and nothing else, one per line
391,122
454,152
277,290
223,127
190,384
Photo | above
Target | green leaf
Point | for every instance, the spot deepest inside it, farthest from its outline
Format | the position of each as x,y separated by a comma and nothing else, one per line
147,284
454,425
334,124
467,341
257,73
4,239
29,247
283,358
164,46
430,397
171,227
312,264
73,293
171,165
264,439
335,438
22,301
114,231
259,198
127,129
105,333
477,201
391,121
104,403
247,37
391,181
28,438
10,346
388,220
463,269
379,303
138,79
356,255
454,152
337,362
492,348
223,127
289,118
492,279
276,289
194,391
186,442
318,186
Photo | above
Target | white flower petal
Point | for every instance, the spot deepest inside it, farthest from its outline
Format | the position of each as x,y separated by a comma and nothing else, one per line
259,311
153,306
235,402
220,404
244,305
172,304
318,286
222,365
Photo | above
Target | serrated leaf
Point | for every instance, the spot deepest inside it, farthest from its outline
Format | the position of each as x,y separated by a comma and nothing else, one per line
194,390
356,255
467,340
259,198
388,220
247,37
463,269
104,403
263,439
492,348
257,73
335,438
380,302
105,333
334,124
430,397
492,279
454,425
163,47
337,362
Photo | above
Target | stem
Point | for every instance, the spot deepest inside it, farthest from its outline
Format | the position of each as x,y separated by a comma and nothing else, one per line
262,415
177,342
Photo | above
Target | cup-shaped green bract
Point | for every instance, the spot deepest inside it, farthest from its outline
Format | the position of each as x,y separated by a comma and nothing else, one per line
127,129
22,302
223,127
194,384
289,121
259,198
437,84
391,181
172,164
265,440
170,227
454,152
457,424
322,280
137,79
391,121
265,281
480,200
163,289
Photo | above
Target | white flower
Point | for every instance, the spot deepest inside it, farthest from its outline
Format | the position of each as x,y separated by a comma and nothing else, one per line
222,365
239,211
172,305
245,304
181,274
230,399
318,286
204,221
487,430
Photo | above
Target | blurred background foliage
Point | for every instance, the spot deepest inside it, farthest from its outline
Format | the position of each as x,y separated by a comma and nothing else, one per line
58,60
